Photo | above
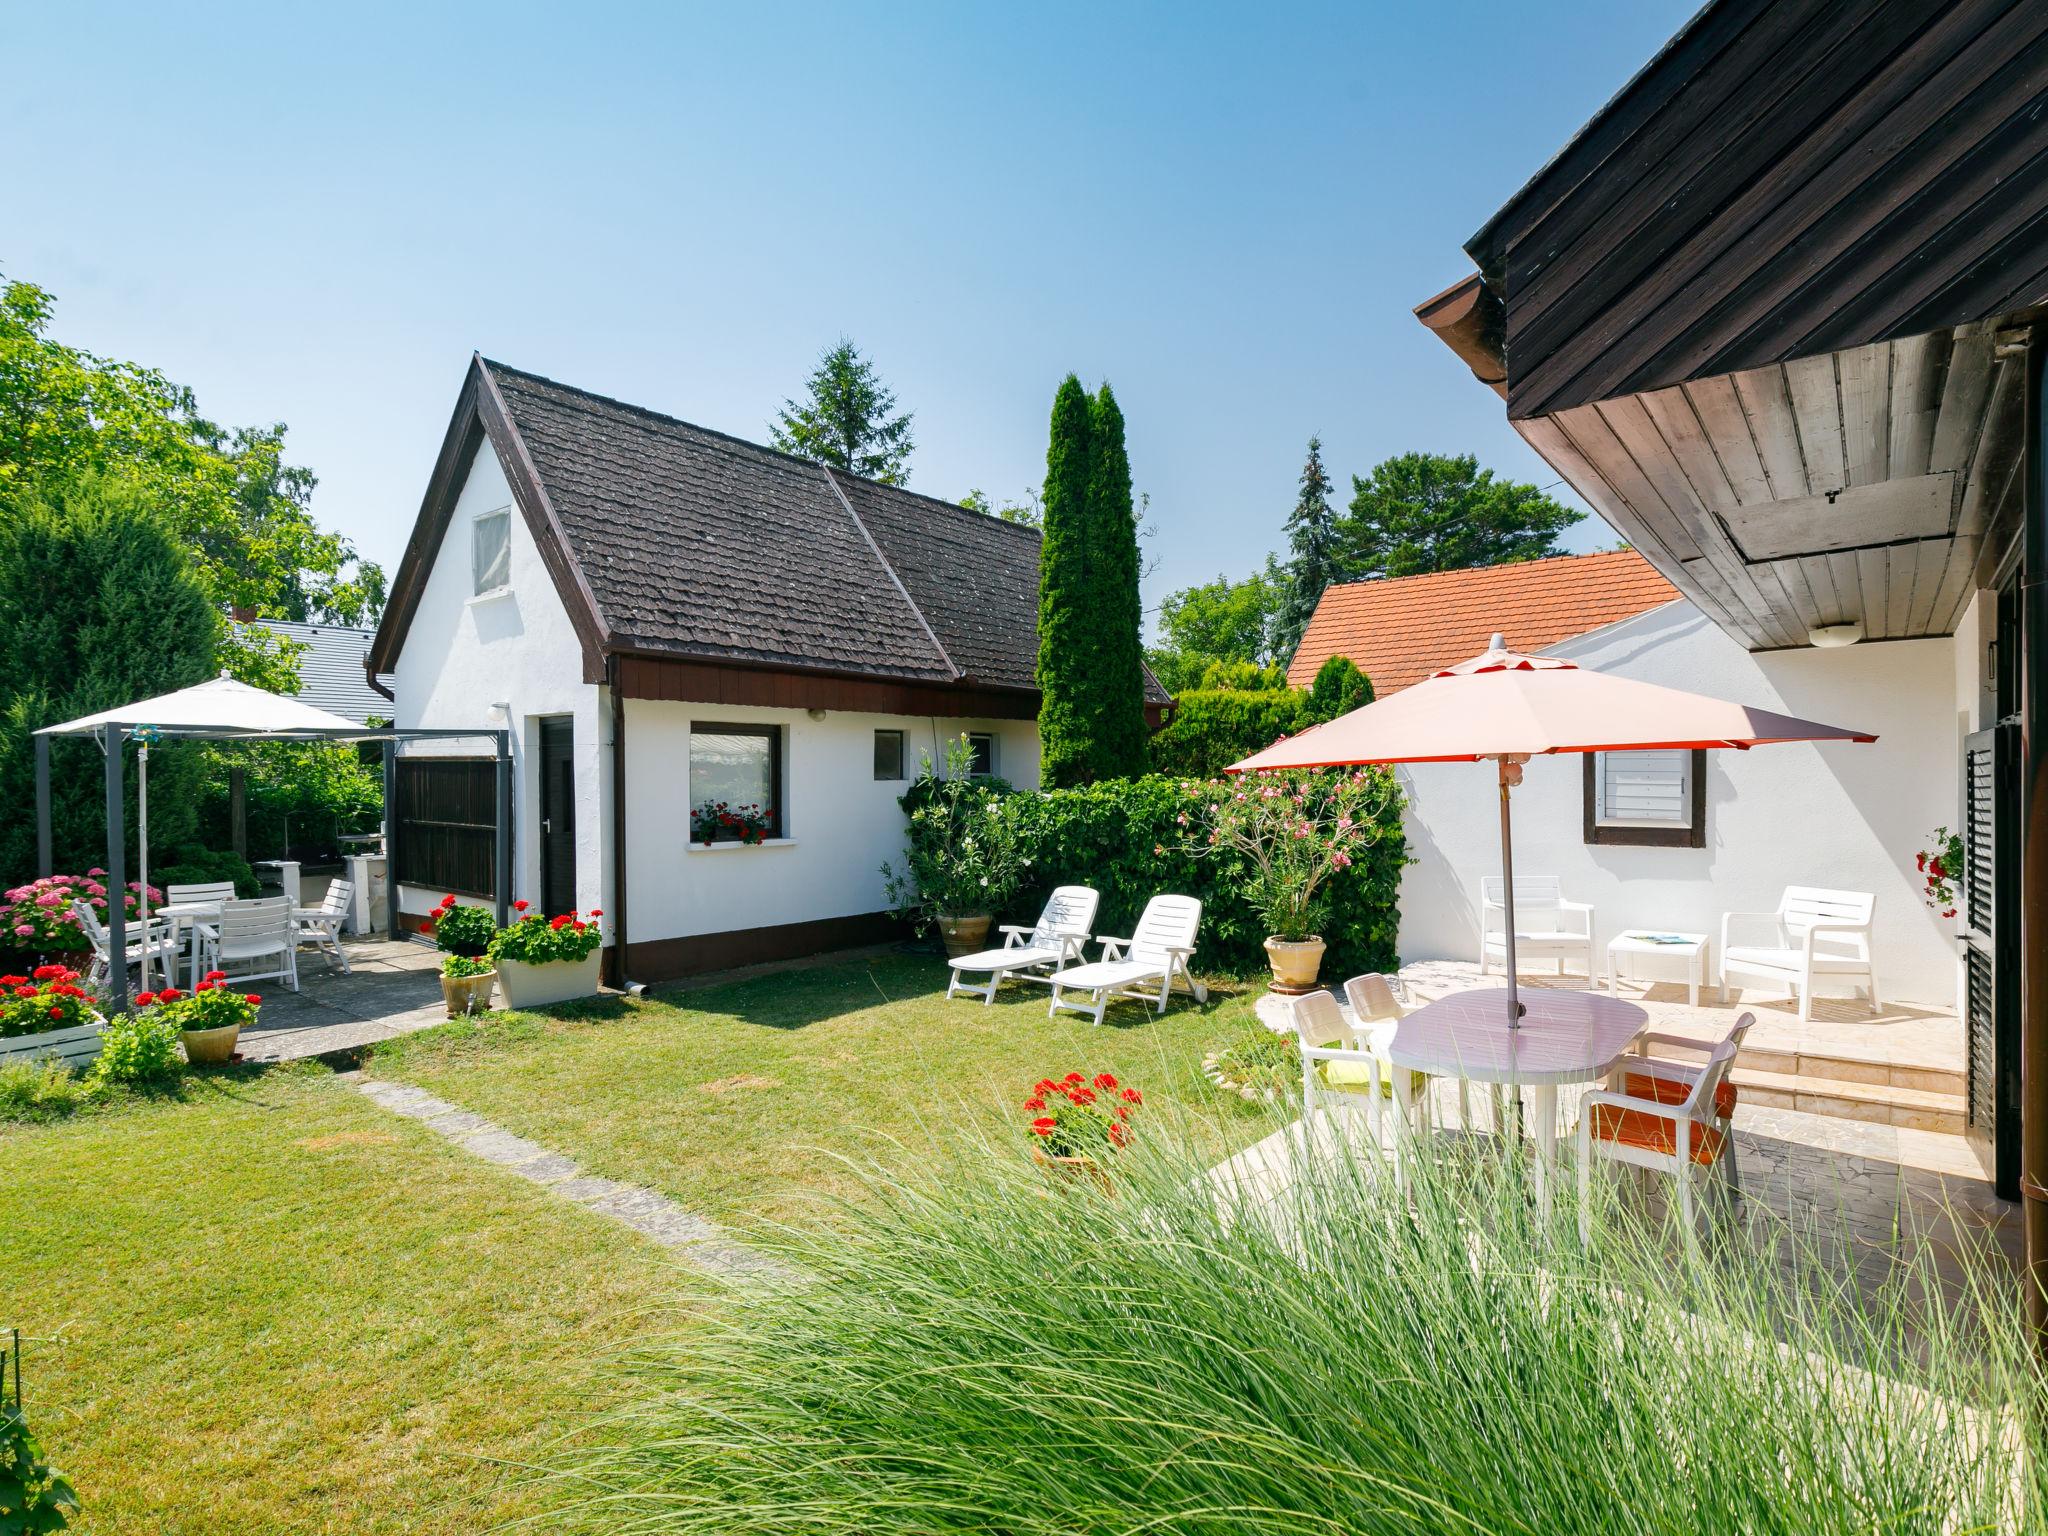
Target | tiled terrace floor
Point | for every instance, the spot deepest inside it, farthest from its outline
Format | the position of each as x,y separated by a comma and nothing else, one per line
391,988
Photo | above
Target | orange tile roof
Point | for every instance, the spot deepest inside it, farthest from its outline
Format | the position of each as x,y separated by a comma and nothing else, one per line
1400,630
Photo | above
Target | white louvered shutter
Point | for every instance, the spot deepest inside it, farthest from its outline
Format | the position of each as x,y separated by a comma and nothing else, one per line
1644,789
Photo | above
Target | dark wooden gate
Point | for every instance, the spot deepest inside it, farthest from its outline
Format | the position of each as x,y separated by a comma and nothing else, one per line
1991,989
558,814
446,824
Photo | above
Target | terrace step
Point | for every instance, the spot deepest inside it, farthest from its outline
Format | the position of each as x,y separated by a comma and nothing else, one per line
1847,1099
1839,1066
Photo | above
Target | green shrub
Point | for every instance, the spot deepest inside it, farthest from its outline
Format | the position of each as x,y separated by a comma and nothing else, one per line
195,864
1127,839
1339,688
982,1349
962,856
36,1092
140,1047
1213,728
1248,676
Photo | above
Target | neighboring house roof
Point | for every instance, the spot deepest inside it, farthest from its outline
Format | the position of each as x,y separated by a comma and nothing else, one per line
331,671
1400,630
670,539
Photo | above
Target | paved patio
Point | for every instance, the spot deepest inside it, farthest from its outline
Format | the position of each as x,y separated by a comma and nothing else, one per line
391,988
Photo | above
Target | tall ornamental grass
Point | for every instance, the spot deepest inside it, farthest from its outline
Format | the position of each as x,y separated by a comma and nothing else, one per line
987,1349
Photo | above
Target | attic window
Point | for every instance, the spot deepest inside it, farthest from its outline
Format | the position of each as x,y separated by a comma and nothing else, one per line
490,551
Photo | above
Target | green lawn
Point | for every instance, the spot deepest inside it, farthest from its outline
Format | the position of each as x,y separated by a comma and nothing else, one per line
277,1307
739,1099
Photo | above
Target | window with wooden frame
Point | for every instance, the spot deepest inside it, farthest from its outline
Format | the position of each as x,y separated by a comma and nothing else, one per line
888,755
1652,799
982,747
490,551
740,767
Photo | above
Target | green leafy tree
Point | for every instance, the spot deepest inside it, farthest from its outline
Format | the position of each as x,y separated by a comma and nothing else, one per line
1218,621
846,419
1212,728
1422,512
1120,674
1339,688
1243,676
1030,512
99,606
1315,554
227,497
1069,575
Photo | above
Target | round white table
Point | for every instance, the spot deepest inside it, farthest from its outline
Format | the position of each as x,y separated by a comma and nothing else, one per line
1564,1037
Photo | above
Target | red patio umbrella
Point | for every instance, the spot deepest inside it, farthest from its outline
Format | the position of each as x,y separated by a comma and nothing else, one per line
1511,707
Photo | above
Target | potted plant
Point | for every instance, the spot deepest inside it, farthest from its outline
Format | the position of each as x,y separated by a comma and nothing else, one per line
1941,868
547,959
1076,1121
1293,831
44,1012
715,821
964,857
209,1019
467,977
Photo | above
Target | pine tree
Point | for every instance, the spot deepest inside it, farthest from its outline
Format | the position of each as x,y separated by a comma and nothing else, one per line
1423,512
1068,618
846,420
1315,553
1120,673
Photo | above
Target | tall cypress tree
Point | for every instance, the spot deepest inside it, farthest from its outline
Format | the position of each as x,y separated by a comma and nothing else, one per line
1120,676
1315,553
1068,598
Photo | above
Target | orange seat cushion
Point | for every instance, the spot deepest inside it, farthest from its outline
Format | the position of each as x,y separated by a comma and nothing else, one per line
1668,1090
1653,1133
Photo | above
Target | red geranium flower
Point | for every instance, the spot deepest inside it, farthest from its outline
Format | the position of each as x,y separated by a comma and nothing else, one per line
520,906
252,998
1104,1080
144,999
1034,1105
597,911
1044,1126
216,975
1074,1077
1132,1096
169,995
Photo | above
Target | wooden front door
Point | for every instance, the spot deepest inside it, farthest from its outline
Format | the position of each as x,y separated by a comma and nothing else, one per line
557,815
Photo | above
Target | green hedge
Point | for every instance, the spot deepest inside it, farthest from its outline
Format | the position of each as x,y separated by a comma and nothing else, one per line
1122,837
1215,727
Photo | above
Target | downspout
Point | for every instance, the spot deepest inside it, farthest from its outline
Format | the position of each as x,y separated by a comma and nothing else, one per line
2034,844
618,903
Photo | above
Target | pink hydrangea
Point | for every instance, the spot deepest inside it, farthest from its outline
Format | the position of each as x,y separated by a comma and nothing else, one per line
25,930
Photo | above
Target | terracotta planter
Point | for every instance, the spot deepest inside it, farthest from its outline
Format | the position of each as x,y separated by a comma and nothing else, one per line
1074,1168
1295,962
210,1047
558,981
467,994
964,935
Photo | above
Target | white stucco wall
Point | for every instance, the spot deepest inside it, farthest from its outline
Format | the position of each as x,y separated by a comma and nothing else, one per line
1840,815
841,823
463,654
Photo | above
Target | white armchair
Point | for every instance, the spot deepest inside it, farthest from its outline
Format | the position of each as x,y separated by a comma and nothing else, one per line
1546,925
1815,936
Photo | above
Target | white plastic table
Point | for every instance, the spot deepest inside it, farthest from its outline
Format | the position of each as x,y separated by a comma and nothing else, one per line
1564,1037
181,913
1639,944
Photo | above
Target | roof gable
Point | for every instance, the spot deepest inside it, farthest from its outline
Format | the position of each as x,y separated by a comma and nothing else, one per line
1400,630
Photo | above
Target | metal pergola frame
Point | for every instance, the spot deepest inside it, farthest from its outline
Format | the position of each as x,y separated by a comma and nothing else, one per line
113,737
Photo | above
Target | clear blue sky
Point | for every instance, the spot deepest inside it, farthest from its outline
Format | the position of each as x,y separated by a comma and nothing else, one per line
314,215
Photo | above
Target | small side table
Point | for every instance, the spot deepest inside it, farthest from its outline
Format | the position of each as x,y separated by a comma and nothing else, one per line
1637,944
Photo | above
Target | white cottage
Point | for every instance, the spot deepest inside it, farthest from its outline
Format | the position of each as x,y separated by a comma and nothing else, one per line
665,617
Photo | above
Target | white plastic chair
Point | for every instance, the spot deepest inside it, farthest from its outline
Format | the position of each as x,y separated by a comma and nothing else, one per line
1664,1131
1378,1011
153,938
1032,954
213,893
1340,1069
254,932
1546,925
1156,954
321,926
1815,935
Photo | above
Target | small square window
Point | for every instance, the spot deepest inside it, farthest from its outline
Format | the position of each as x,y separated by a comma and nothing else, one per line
888,754
1651,799
490,551
982,744
735,781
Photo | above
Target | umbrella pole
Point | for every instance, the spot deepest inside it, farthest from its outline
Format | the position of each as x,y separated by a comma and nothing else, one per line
142,847
1510,775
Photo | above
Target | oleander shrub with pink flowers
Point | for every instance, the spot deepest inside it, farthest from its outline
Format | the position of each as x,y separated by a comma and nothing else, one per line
37,918
1132,839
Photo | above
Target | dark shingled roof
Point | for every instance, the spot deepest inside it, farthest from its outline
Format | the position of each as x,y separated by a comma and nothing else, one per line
703,544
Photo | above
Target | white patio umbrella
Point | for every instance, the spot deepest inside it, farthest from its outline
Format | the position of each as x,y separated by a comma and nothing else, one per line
221,709
1510,707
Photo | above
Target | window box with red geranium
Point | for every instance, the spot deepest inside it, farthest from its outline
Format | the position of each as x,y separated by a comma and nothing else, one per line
209,1019
542,960
1075,1121
48,1013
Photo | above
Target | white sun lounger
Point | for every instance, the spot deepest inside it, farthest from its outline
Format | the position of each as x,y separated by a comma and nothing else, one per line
1034,953
1155,954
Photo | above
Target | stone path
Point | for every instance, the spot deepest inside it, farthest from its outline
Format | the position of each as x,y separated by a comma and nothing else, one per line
692,1238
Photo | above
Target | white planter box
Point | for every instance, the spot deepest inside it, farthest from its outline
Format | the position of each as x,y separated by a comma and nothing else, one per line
558,981
76,1048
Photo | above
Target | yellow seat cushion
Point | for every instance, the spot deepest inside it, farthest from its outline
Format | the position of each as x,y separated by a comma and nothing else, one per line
1358,1077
